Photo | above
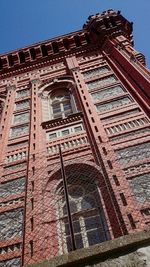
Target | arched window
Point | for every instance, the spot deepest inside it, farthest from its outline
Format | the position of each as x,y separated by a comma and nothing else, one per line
89,222
60,103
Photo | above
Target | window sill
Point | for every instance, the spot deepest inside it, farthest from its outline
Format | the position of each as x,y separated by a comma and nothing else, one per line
60,121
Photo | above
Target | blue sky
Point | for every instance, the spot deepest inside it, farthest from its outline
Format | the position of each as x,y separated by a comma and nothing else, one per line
23,22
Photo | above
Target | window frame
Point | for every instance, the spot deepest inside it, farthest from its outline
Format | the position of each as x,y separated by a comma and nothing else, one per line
60,103
81,215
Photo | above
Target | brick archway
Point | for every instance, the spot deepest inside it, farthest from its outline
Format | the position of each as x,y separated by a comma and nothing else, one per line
85,178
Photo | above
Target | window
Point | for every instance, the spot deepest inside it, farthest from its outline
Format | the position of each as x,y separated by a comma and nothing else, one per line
57,98
65,132
60,104
52,135
89,223
78,129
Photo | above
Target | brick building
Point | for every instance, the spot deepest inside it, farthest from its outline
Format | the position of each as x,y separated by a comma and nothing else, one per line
78,103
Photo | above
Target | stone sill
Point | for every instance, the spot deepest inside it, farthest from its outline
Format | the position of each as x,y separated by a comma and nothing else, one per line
99,253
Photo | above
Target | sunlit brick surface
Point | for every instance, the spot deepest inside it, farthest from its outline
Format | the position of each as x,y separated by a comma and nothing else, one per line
86,95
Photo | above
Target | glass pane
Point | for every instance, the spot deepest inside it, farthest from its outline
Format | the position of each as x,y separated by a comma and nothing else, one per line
69,243
78,241
92,222
52,135
67,230
76,228
73,208
87,203
67,106
95,237
56,108
75,191
65,132
78,129
67,112
66,97
57,115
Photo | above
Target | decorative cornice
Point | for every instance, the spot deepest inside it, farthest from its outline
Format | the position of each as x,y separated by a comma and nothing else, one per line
43,62
95,31
59,121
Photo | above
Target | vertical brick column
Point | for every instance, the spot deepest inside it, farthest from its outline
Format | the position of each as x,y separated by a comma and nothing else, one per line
33,249
6,122
135,76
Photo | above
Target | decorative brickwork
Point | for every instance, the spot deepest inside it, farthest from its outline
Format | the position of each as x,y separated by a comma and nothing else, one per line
11,224
13,187
9,263
141,187
74,142
134,153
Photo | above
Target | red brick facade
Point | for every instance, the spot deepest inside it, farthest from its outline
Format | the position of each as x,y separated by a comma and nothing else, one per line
87,91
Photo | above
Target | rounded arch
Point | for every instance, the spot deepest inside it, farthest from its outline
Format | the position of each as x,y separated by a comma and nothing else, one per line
85,164
88,216
57,98
65,81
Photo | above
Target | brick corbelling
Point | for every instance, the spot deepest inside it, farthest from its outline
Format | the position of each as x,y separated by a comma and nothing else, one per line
41,61
57,122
